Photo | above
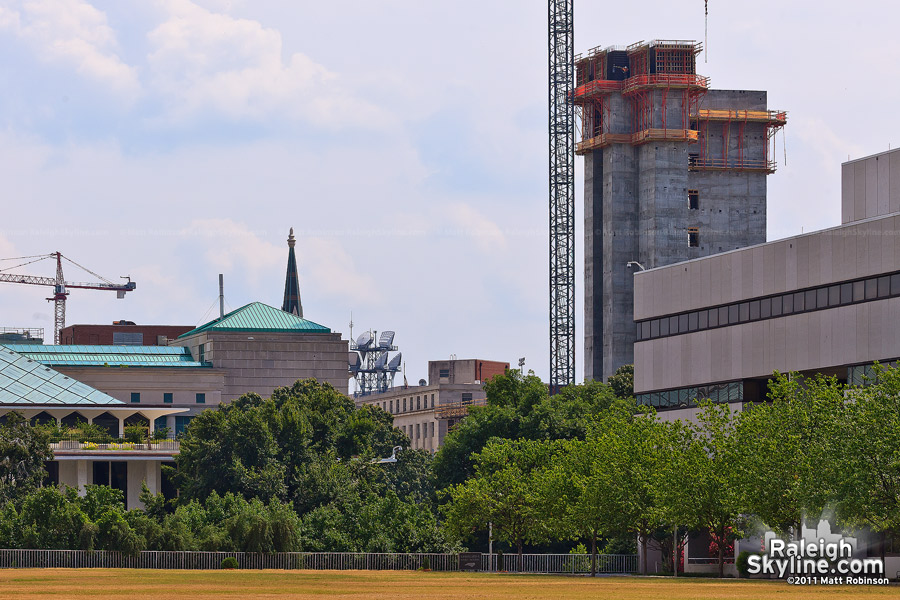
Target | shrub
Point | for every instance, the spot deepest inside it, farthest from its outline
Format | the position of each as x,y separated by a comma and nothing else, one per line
229,562
136,434
161,433
741,562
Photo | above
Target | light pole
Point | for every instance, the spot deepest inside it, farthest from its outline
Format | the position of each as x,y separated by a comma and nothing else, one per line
636,264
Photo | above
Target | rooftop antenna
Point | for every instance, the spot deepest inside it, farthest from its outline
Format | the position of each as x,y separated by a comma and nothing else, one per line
706,31
221,296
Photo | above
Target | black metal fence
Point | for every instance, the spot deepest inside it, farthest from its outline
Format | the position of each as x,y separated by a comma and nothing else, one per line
529,563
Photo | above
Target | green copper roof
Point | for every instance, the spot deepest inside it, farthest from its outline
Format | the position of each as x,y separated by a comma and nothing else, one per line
260,317
132,356
24,381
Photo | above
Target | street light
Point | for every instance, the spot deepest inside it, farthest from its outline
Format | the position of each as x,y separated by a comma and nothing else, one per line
635,263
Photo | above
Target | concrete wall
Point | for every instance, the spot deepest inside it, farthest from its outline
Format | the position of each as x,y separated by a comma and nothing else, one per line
844,335
92,335
260,362
870,187
636,209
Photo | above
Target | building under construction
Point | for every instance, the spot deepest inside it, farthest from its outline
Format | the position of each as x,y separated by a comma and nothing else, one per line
672,171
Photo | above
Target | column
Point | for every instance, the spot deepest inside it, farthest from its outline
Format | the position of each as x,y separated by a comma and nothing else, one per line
81,468
152,476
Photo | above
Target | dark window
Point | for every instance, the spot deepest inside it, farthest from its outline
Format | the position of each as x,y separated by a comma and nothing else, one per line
201,398
765,308
467,398
871,289
135,397
822,297
846,293
391,405
799,302
201,352
777,306
732,314
645,330
418,402
723,316
167,397
444,373
810,299
859,291
404,405
692,322
693,159
654,328
664,326
834,295
754,310
181,423
714,317
693,237
673,325
884,287
682,323
895,285
694,199
745,312
703,319
101,472
788,303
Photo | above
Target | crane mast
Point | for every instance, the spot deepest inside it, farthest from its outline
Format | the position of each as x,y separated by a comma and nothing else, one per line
562,194
61,287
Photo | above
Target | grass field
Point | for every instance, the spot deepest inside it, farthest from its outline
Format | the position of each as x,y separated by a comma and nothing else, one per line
131,584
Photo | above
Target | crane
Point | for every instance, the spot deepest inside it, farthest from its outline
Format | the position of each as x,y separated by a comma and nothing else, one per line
562,194
61,286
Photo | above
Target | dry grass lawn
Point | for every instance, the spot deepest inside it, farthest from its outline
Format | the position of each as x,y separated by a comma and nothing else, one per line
130,584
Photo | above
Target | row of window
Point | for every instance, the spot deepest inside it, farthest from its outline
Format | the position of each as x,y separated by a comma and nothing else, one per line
181,424
388,405
686,397
828,296
168,398
421,430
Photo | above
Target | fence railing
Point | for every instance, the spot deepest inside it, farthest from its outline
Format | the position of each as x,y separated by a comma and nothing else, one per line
529,563
559,563
116,446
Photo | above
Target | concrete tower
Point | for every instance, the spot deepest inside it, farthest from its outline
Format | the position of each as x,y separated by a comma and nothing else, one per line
292,302
672,171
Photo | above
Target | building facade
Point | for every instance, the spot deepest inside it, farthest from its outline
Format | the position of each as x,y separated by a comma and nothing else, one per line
824,302
672,171
121,333
427,413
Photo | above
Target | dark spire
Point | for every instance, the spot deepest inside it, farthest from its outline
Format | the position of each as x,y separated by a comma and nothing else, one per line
291,282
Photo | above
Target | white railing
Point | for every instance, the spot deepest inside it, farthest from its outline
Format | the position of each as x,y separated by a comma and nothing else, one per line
529,563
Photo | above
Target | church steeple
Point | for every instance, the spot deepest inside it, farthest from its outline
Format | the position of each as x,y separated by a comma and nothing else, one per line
291,282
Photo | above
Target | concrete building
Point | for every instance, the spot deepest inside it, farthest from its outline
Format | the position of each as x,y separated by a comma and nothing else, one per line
824,302
673,171
427,413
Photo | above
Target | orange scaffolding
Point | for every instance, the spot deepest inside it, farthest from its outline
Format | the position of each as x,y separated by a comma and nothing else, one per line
703,120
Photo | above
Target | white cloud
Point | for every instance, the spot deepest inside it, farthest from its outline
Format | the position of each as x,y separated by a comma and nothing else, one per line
203,60
75,34
470,223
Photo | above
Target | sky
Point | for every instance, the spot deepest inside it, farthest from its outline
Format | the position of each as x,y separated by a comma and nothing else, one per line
404,141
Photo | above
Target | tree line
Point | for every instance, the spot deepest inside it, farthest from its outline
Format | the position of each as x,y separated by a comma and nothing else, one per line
298,471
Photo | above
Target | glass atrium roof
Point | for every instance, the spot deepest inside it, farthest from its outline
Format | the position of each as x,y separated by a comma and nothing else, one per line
24,381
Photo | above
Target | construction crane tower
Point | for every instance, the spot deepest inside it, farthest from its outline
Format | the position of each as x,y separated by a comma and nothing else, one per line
61,286
562,194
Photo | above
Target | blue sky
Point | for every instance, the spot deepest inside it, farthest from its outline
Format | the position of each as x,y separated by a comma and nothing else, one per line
404,141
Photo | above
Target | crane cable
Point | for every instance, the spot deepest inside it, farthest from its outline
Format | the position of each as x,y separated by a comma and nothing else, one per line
36,259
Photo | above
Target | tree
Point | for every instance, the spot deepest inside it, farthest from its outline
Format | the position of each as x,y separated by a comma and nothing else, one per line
867,455
622,381
23,451
703,488
520,408
503,492
274,449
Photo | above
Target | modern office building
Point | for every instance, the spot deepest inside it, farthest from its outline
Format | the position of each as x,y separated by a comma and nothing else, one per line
824,302
429,411
672,171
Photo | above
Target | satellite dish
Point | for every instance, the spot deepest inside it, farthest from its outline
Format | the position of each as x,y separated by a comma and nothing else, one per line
380,362
364,340
386,339
423,383
395,362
